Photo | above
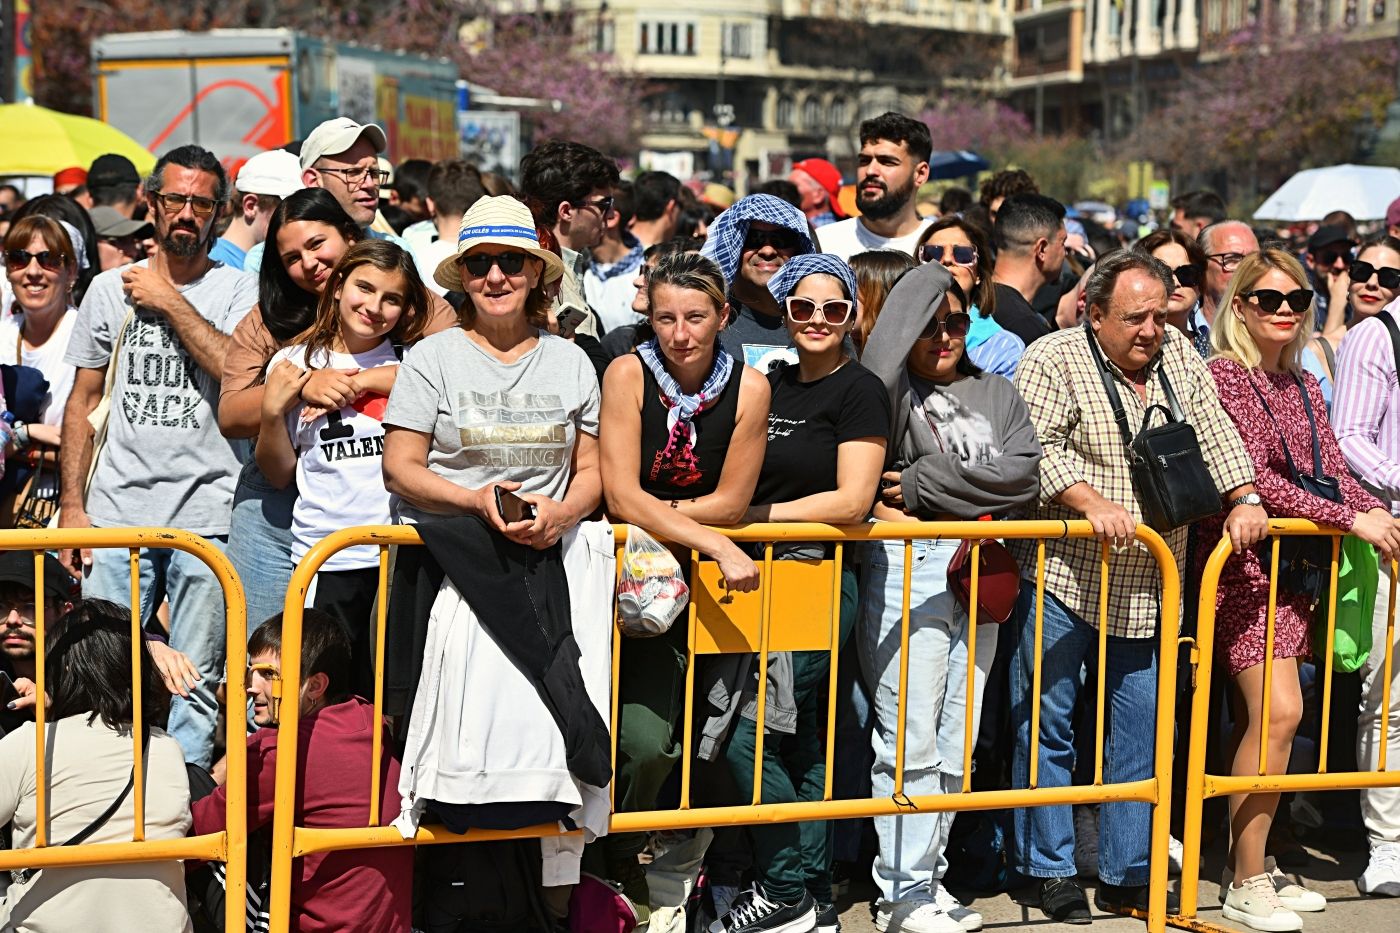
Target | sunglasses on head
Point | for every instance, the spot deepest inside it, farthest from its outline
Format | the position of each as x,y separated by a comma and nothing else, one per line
480,264
17,259
956,324
780,239
1387,276
1270,300
836,312
1187,276
962,255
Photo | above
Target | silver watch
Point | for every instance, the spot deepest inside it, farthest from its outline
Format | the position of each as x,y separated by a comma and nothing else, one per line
1249,498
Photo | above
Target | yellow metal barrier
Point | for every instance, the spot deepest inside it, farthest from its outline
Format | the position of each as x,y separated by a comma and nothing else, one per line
1199,784
229,846
726,623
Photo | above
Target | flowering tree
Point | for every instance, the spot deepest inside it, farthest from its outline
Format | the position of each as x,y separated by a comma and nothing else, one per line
988,127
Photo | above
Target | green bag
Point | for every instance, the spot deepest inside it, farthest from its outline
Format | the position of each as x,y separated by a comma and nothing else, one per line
1358,576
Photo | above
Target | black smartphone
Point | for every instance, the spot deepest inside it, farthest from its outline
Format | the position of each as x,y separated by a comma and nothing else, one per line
512,508
8,692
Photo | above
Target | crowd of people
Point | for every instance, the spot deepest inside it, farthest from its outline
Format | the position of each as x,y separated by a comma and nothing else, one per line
268,356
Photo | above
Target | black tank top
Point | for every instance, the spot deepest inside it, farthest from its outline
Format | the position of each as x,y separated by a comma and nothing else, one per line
714,429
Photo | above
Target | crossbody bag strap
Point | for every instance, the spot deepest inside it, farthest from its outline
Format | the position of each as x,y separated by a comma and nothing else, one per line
1312,426
1390,326
1114,399
112,808
1178,414
1292,467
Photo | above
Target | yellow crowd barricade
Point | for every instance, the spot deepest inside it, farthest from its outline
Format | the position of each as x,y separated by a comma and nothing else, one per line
777,617
229,846
1200,785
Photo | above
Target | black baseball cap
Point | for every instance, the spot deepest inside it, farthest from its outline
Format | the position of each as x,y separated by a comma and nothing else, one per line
112,169
18,567
1328,235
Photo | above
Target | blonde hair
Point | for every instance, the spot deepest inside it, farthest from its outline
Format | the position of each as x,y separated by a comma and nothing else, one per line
1231,339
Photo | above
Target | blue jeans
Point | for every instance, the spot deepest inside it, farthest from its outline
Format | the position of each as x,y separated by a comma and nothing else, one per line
1045,835
911,848
260,542
197,628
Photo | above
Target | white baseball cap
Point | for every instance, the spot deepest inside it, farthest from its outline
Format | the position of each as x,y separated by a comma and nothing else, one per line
335,136
276,172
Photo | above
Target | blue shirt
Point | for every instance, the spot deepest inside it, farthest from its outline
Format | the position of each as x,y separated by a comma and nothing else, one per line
228,254
991,347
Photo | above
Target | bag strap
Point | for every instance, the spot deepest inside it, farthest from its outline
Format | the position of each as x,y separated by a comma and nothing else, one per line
1288,456
1110,387
1389,323
111,380
1312,427
113,807
1329,355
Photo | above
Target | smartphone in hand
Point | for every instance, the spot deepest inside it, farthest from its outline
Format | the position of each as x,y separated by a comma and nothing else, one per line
512,508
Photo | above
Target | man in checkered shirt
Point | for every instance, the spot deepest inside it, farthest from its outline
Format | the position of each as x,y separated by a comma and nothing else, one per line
1085,475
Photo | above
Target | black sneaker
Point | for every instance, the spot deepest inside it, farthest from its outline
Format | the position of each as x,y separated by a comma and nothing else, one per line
1063,900
827,919
1130,900
752,912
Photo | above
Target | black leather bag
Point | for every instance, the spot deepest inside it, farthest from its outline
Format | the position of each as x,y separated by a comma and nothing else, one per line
1173,484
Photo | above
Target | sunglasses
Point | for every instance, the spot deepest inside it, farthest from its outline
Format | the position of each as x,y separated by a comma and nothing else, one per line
1387,276
1187,276
175,203
480,264
1329,257
836,312
962,255
1270,300
781,239
17,259
603,205
956,324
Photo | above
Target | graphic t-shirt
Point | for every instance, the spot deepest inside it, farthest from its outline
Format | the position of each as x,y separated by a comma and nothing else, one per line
340,461
492,421
165,462
806,422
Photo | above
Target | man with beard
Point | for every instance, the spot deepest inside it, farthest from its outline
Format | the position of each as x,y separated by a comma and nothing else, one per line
893,163
17,621
164,323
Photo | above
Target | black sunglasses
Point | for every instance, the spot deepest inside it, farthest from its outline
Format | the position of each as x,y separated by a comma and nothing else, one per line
602,204
480,264
780,239
1187,276
962,255
1270,300
835,312
956,324
1387,276
1329,257
17,259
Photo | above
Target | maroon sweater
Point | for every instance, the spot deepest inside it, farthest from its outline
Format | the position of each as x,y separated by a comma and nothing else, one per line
357,889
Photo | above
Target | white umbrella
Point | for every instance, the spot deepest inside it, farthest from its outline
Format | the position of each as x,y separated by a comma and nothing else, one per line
1363,191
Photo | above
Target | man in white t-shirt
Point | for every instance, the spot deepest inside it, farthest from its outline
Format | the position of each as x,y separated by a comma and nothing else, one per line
453,186
893,163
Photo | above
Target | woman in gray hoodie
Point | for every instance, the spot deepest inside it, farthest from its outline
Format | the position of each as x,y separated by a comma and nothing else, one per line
962,447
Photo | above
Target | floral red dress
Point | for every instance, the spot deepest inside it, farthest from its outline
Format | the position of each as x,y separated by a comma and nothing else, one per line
1241,603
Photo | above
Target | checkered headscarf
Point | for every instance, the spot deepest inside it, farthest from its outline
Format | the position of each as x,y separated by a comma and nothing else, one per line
785,280
725,241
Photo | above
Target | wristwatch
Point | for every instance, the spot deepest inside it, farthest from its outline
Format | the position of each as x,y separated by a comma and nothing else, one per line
1249,498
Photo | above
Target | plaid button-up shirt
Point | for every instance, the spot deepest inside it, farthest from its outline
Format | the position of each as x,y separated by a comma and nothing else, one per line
1074,419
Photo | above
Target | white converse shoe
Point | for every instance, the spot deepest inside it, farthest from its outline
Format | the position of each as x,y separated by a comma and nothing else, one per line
1382,876
1256,905
913,915
1086,840
967,918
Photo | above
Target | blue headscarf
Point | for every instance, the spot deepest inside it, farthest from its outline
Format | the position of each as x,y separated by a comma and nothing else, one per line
725,241
785,280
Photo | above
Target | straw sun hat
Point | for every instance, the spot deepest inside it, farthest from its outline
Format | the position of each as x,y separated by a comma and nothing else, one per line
503,221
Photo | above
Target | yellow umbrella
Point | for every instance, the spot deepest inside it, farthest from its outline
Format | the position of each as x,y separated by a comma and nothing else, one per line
43,141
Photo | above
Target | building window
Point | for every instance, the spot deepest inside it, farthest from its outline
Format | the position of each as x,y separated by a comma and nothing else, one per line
840,113
784,114
604,36
666,37
738,40
811,114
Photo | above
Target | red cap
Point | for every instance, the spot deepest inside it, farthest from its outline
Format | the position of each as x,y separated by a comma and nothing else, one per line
70,176
826,175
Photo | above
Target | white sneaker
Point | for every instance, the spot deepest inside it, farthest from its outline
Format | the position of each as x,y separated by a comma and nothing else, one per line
1086,840
1176,854
1290,893
914,915
967,918
1256,905
1382,876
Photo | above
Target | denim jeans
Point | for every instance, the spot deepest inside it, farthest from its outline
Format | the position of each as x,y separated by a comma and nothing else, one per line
197,628
911,848
1045,835
260,542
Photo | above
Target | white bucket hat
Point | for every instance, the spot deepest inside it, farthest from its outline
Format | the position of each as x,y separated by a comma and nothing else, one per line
503,221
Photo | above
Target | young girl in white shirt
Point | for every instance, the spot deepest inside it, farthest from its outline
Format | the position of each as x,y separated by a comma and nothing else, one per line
373,303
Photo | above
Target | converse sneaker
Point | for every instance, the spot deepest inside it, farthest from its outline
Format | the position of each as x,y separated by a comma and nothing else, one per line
1256,905
753,912
913,915
967,918
1382,876
1290,893
827,919
1086,840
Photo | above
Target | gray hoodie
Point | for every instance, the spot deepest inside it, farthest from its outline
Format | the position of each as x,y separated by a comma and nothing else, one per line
989,456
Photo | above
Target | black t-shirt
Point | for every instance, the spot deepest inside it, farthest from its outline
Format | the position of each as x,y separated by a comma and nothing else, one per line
1014,313
807,420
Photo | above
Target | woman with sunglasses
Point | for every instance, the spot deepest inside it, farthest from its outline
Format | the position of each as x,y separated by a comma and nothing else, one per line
1264,322
1372,282
962,447
961,248
1184,256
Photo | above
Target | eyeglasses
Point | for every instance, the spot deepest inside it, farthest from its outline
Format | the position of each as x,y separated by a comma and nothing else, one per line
1228,262
1187,276
604,205
480,264
354,177
17,259
836,312
782,239
956,324
1270,300
175,203
962,255
1387,276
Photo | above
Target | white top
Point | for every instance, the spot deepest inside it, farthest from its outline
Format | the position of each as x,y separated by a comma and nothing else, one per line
340,462
427,255
91,765
48,359
847,238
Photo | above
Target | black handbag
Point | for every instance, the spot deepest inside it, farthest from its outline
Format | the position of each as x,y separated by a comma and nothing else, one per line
1304,562
1170,477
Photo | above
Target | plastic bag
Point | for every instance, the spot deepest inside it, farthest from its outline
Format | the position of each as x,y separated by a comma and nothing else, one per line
1358,578
651,591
